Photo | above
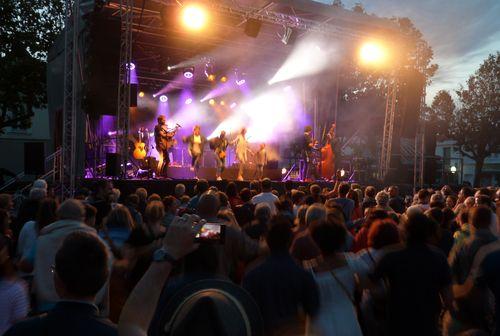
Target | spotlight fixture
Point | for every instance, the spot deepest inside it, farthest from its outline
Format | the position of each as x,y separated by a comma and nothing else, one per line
141,94
289,36
222,103
252,27
154,95
188,101
130,66
372,53
211,102
188,72
240,77
163,98
211,78
223,79
194,17
209,71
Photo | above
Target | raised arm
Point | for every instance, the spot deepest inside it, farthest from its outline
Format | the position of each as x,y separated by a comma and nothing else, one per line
141,304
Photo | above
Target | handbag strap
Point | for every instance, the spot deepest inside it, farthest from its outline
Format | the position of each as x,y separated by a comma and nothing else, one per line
343,287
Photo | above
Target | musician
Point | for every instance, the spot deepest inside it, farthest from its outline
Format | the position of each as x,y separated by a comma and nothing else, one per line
241,144
261,160
219,146
336,148
162,136
307,147
196,144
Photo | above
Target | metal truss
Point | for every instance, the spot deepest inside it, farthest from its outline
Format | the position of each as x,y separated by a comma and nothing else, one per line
122,114
418,164
390,109
67,175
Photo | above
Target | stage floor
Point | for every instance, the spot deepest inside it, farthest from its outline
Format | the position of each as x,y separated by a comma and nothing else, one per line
166,187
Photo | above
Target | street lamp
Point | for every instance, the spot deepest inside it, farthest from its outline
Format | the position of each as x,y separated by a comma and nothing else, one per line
453,169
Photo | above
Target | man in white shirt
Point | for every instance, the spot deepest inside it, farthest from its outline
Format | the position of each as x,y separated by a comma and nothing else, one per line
266,196
196,143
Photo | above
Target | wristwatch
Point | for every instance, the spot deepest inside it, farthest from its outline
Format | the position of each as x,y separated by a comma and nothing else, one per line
161,255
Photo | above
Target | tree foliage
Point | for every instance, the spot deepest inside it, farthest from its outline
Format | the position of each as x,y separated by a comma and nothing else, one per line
440,114
28,30
476,123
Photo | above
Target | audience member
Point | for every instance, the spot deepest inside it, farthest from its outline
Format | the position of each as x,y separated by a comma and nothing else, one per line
396,203
200,188
369,200
346,203
266,196
303,247
258,227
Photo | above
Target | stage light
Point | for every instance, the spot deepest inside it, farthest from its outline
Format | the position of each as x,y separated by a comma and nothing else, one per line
163,98
130,66
372,53
188,101
211,102
283,171
188,72
194,17
240,82
233,105
222,103
453,169
342,172
170,68
141,94
223,79
289,36
211,78
154,95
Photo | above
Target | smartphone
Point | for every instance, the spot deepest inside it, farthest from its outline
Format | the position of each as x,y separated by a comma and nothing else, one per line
211,233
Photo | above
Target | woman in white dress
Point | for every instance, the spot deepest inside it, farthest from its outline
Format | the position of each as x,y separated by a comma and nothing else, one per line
336,275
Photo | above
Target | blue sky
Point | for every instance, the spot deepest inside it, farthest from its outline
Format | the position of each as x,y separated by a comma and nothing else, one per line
461,32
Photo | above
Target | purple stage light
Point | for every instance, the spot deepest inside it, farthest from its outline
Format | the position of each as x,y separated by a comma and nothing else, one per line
188,72
163,98
233,105
131,66
240,82
188,101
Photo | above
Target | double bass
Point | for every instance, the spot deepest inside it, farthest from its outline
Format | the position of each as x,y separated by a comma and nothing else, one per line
328,155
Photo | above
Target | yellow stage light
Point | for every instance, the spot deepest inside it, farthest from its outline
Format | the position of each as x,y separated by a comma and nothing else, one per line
194,17
372,53
211,102
222,102
211,78
223,79
141,94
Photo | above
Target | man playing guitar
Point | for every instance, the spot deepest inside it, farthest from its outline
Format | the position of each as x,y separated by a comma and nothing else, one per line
164,139
219,146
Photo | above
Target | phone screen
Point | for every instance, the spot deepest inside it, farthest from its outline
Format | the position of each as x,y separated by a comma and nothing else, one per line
211,232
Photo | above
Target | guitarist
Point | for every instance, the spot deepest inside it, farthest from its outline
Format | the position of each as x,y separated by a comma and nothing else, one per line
196,143
163,136
219,146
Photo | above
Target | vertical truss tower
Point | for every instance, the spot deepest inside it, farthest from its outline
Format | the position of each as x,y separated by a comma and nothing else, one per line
390,110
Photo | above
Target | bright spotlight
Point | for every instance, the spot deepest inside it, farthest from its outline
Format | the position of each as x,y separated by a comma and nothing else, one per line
233,105
130,66
223,79
163,98
222,103
194,17
372,53
211,102
154,95
141,94
342,172
453,169
240,82
188,101
283,171
211,78
188,72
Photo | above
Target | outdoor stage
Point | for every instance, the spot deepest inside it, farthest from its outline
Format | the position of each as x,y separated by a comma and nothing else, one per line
166,187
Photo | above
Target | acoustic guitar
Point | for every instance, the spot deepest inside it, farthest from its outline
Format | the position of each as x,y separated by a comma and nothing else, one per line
140,147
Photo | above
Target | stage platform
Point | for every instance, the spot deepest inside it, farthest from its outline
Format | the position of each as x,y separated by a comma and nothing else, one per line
166,187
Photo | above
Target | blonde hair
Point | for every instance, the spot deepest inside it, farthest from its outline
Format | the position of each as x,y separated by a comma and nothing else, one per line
155,211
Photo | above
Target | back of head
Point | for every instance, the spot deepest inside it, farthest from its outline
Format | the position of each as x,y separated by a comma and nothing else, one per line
202,186
315,189
245,195
423,195
374,215
154,212
344,189
231,190
37,193
382,199
154,198
315,212
180,189
262,211
480,217
383,232
120,217
419,228
301,214
71,209
266,185
168,202
81,265
352,194
437,200
132,200
223,199
208,205
142,193
279,235
297,196
370,192
329,236
436,214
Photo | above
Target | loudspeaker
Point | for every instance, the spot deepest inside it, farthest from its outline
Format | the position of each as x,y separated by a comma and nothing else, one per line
113,161
34,158
102,62
252,27
133,95
411,90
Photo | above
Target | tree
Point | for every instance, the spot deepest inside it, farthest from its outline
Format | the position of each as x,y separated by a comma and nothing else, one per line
476,123
28,30
440,114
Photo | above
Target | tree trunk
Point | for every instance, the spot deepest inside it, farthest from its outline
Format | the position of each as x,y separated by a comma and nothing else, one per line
478,171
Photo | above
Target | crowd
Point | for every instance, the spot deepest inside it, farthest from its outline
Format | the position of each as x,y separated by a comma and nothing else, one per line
350,260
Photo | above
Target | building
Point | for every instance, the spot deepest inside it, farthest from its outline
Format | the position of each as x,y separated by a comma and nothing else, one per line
456,168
